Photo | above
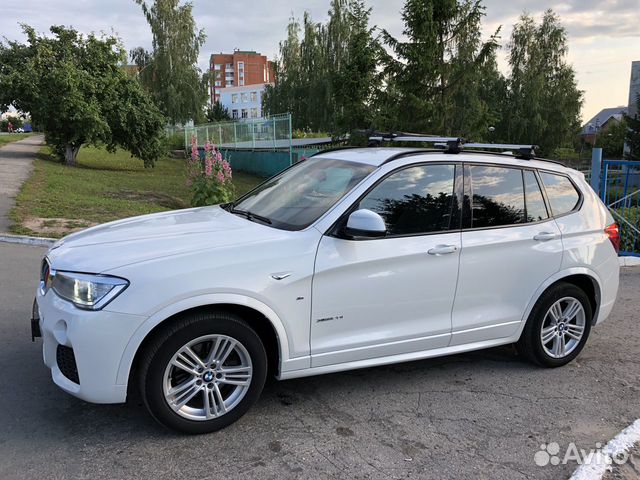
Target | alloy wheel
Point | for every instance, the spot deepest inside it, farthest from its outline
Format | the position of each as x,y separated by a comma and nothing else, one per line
207,377
563,327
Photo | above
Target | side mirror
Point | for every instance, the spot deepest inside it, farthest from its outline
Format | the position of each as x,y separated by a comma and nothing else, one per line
365,223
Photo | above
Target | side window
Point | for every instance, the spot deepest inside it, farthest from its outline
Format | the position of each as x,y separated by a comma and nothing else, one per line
563,196
536,210
497,196
416,200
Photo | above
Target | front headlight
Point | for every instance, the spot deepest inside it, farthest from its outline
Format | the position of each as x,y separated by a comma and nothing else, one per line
91,292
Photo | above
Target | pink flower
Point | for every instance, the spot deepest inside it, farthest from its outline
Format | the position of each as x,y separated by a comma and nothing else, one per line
208,165
220,177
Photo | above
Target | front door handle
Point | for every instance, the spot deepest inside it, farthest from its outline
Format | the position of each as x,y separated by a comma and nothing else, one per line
442,249
544,236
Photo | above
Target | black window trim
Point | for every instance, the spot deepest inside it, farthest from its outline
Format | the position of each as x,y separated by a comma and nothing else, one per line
335,229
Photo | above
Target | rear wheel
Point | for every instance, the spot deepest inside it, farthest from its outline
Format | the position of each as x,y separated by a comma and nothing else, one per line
558,326
203,372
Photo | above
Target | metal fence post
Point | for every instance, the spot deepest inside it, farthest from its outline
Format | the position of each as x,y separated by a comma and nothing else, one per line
235,135
253,134
275,143
596,169
290,142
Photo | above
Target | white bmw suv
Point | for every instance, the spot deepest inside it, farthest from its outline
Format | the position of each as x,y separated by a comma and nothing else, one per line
352,258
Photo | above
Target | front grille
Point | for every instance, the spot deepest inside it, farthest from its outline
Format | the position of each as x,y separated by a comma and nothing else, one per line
67,363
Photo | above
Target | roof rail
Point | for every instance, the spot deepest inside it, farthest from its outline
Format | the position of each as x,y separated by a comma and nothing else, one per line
453,144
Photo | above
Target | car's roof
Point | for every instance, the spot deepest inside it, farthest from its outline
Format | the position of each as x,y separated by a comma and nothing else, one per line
376,156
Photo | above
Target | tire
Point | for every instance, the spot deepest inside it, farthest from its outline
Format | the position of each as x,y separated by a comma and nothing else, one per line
550,354
169,373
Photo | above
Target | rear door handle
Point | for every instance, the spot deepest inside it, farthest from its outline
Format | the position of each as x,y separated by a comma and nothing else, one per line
442,249
545,236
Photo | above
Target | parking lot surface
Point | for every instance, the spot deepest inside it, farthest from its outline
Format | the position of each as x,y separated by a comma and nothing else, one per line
478,415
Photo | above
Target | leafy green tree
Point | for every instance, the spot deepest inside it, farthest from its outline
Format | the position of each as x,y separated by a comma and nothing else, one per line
170,71
612,138
543,105
633,134
217,112
77,92
327,73
15,121
434,75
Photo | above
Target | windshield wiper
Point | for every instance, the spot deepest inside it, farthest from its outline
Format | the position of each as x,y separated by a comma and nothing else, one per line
250,216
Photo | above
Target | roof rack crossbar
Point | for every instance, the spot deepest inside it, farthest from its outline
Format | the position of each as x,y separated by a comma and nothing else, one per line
523,151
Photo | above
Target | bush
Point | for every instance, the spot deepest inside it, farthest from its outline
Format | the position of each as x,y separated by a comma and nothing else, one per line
210,177
172,142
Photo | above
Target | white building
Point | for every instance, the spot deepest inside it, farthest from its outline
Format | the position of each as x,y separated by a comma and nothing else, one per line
244,101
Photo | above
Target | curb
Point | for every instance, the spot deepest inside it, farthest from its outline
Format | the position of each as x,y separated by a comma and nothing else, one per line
599,462
25,240
629,261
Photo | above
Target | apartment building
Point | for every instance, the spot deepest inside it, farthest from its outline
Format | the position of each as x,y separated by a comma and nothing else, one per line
244,101
238,69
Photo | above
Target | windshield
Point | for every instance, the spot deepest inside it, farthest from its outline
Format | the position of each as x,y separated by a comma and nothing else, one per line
300,195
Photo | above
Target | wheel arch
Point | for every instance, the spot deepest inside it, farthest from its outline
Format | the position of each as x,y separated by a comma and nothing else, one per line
585,279
260,317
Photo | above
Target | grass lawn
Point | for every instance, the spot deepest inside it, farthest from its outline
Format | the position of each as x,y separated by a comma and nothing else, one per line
58,199
12,137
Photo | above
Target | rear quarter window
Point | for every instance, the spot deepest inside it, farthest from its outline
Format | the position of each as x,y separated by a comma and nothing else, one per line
562,194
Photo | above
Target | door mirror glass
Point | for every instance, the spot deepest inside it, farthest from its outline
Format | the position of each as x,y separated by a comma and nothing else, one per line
365,223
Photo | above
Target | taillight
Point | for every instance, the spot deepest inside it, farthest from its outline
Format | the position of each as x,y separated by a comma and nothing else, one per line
613,232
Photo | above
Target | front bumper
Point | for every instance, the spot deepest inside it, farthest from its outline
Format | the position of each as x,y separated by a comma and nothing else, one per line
84,348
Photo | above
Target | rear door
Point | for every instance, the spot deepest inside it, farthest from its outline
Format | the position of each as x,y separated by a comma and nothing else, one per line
510,246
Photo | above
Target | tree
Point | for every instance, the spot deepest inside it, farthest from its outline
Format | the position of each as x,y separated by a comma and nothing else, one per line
327,73
435,76
633,134
77,92
543,105
15,121
217,112
611,139
170,72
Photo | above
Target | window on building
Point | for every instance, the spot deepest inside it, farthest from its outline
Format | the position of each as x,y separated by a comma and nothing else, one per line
498,196
245,113
217,66
563,196
416,200
229,83
234,98
218,83
242,82
245,98
254,97
234,113
254,113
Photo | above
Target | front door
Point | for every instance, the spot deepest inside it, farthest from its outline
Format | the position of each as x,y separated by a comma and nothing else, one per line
392,295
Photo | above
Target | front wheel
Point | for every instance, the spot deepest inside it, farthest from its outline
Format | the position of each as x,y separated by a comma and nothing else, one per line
558,326
203,372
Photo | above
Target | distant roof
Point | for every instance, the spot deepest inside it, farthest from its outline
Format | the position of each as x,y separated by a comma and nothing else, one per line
603,117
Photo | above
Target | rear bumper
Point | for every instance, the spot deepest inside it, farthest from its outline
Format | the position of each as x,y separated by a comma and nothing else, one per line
83,349
610,281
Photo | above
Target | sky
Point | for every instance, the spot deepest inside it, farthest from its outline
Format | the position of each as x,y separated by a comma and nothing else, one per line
604,35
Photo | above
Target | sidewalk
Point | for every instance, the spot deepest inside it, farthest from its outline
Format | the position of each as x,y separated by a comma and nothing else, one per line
16,162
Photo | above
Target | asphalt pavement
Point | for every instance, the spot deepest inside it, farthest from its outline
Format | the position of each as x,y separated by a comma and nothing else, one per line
478,415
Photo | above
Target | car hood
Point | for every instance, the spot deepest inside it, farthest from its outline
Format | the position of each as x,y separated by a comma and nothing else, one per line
138,239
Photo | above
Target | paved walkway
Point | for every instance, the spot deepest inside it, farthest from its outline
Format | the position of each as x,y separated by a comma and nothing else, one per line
16,162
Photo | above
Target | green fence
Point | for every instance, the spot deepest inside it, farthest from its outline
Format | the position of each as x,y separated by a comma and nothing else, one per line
269,133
